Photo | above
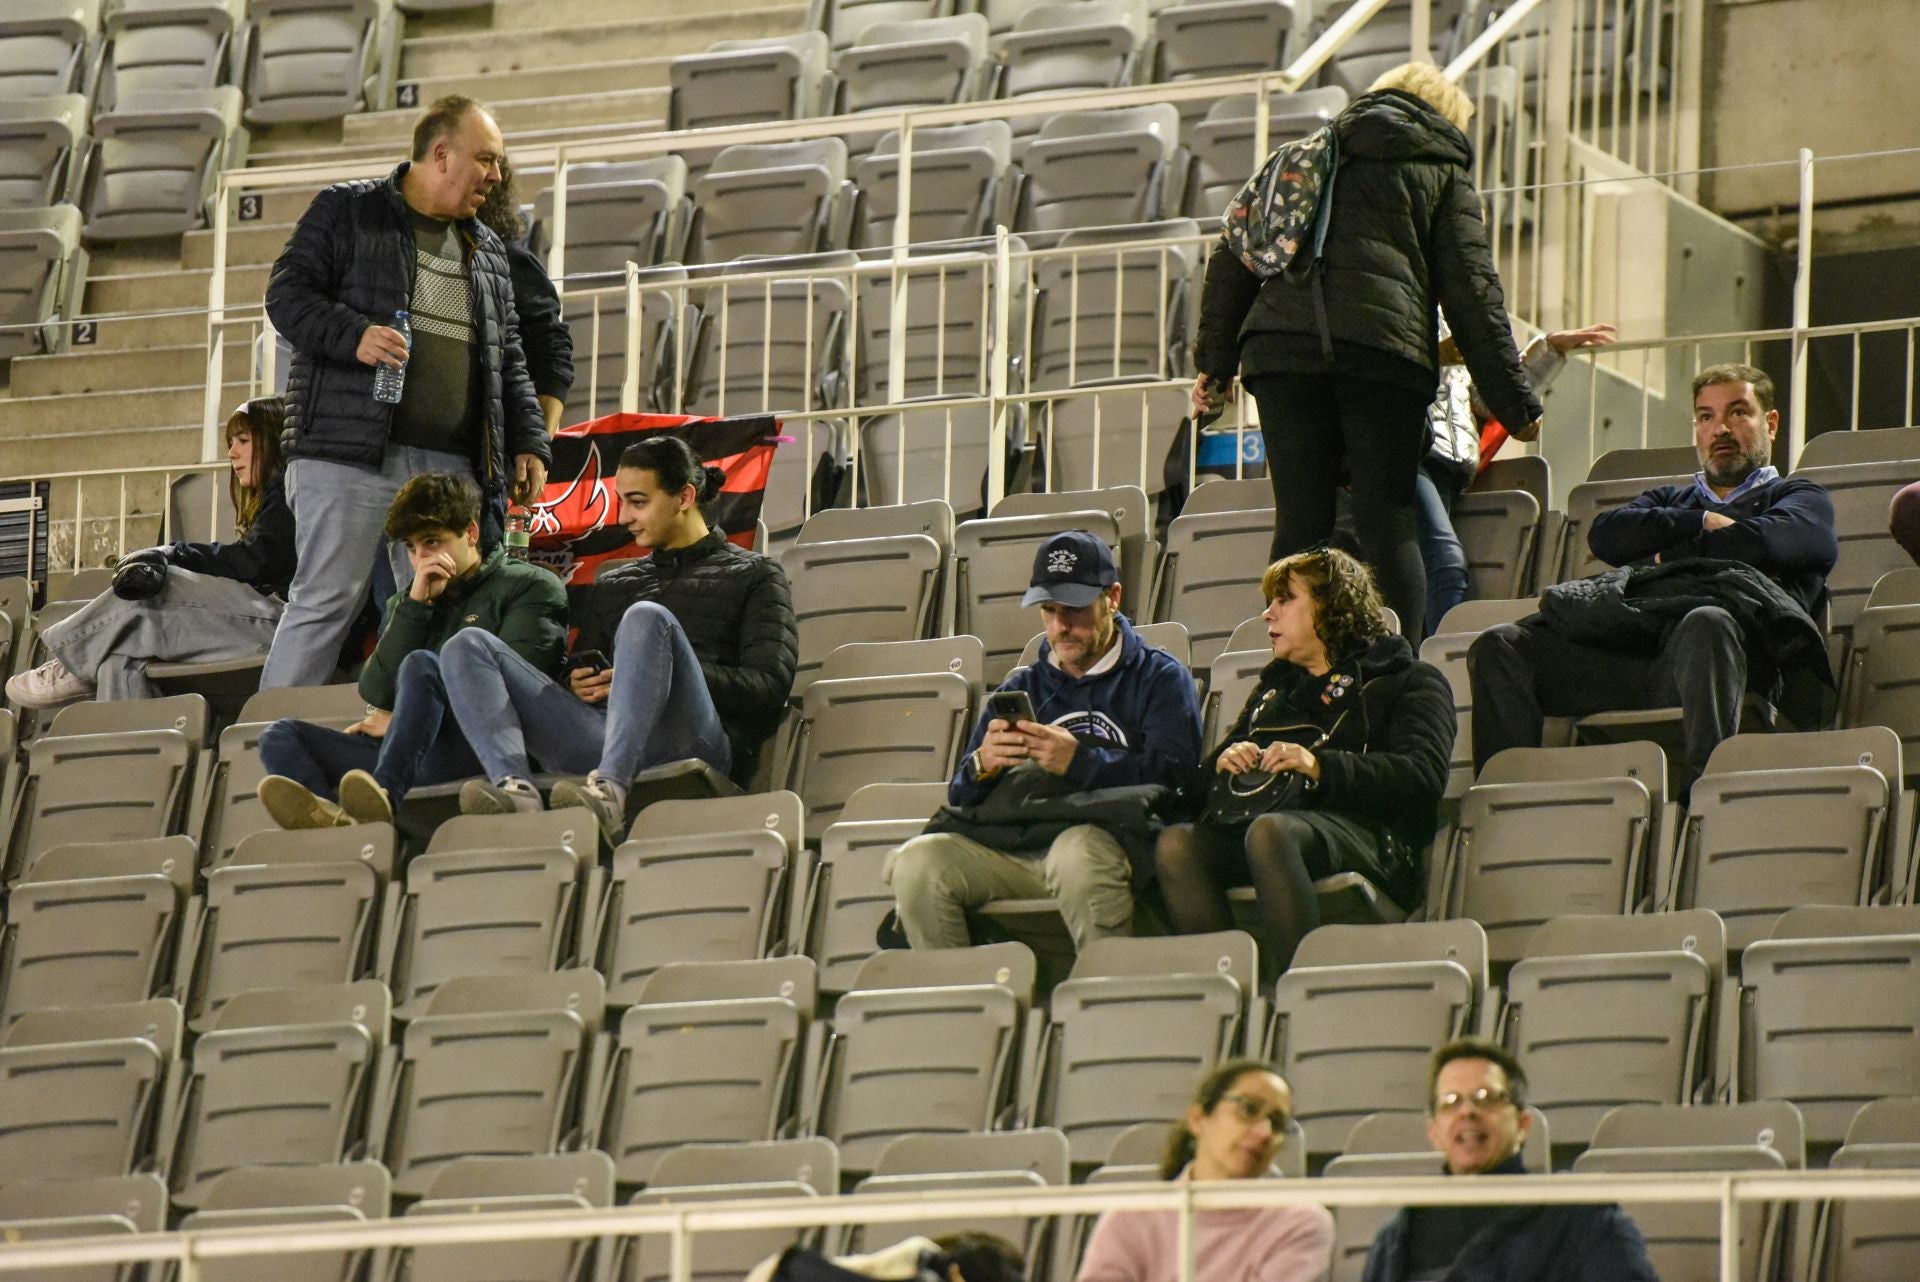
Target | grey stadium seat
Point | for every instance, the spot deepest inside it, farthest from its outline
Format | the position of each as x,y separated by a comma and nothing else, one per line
1223,142
1232,678
1118,435
928,1040
1498,530
1132,1028
925,62
494,1068
496,1185
949,324
716,890
1447,651
904,728
81,1090
773,346
43,274
289,910
935,449
739,82
618,212
1606,1011
708,1054
1662,462
1225,38
1210,576
959,172
848,20
1589,499
332,1193
1830,1016
993,564
42,1210
1869,1238
1081,44
285,1076
1100,168
1137,551
936,1164
771,198
493,895
93,925
319,59
41,143
598,322
156,161
46,47
1879,685
233,805
883,589
1227,495
170,44
728,1172
1862,494
1871,445
850,897
1105,314
1360,1010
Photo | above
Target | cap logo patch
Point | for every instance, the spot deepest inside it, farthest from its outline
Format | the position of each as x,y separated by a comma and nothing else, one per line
1061,561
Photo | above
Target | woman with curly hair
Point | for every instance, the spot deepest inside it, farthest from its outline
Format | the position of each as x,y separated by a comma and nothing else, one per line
1348,731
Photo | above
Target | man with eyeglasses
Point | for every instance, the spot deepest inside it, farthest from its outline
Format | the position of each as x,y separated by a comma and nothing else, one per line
1477,1120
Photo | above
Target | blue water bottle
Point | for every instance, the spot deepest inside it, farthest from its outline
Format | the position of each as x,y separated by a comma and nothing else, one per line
389,380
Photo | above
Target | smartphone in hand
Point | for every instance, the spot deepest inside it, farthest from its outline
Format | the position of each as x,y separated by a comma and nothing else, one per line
590,661
1011,706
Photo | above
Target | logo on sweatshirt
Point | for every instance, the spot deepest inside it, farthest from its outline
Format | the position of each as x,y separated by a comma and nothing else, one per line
1095,726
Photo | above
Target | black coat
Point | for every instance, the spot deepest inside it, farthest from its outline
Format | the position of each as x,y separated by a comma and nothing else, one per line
1406,234
1571,1243
543,329
262,558
350,264
1387,758
737,613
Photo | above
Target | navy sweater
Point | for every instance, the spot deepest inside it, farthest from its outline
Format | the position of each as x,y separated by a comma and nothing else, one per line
1138,722
1783,528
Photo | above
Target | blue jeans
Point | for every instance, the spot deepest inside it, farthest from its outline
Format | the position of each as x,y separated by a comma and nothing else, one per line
196,618
339,514
1448,583
657,711
423,745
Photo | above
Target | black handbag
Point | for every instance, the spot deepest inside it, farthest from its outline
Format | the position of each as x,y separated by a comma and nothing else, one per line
1240,799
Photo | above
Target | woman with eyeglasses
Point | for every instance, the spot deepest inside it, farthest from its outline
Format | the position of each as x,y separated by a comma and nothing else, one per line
1233,1130
1336,764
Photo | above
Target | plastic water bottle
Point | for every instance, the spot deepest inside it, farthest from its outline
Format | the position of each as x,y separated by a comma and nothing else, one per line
388,380
518,533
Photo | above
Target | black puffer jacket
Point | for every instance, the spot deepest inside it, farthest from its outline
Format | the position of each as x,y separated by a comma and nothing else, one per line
737,613
543,329
262,558
1386,758
350,264
1406,234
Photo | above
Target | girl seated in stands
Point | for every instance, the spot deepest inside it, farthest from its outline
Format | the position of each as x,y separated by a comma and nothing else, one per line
1336,764
185,602
688,652
1233,1130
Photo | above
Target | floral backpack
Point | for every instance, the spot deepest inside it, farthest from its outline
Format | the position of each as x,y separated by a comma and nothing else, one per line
1278,220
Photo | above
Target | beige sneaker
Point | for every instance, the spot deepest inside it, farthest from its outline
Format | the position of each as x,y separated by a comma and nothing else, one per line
47,686
364,800
293,806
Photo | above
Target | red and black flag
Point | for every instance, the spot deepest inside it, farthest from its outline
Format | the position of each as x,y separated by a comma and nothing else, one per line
576,523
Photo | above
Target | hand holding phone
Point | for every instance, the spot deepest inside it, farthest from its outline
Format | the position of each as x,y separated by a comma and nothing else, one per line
1011,706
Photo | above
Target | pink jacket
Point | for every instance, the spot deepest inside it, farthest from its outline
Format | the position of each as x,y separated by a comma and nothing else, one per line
1258,1244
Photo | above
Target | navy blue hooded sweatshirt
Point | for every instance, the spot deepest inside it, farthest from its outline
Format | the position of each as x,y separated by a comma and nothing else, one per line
1138,722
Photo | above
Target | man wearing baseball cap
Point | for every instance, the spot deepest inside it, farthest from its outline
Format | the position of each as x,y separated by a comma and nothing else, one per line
1109,712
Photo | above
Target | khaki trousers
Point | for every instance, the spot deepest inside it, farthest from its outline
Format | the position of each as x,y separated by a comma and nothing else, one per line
937,877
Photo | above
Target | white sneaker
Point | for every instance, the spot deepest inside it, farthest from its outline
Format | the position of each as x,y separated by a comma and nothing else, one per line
47,686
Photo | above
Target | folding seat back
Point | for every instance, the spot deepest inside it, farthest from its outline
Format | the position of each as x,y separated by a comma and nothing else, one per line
924,1043
727,1172
718,894
325,704
1872,445
493,895
1223,142
42,272
933,450
949,318
1235,37
1360,1010
851,897
42,1210
1447,651
1136,552
284,1077
761,199
289,910
1085,44
741,82
961,654
233,809
882,589
1862,493
1683,1241
94,925
496,1185
1586,501
104,786
81,1089
1097,439
1479,615
46,46
925,62
708,1054
626,211
1232,678
40,139
1105,310
169,44
494,1068
1606,1011
993,565
1210,576
957,182
596,312
848,21
318,59
156,159
1870,1237
773,345
1497,529
1776,821
1661,463
1132,1028
837,524
332,1193
1099,168
937,1164
1830,1015
866,730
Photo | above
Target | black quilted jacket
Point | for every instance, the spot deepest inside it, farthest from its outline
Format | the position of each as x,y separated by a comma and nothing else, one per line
737,613
350,264
1406,234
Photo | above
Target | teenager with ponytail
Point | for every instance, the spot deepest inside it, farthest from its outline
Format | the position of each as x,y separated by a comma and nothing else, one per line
687,652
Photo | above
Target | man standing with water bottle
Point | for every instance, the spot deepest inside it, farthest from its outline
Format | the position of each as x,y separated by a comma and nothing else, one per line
407,359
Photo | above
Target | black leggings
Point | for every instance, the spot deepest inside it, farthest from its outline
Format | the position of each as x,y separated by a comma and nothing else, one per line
1280,854
1326,430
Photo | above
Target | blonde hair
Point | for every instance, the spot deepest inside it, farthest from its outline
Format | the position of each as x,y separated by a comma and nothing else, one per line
1430,85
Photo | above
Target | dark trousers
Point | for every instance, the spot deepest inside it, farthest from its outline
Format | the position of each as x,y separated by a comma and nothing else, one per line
1326,430
1524,672
423,743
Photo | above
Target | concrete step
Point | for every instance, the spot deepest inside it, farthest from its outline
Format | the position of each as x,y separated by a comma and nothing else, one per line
644,110
121,257
90,369
248,244
569,45
532,15
149,331
305,135
168,291
620,76
87,449
51,418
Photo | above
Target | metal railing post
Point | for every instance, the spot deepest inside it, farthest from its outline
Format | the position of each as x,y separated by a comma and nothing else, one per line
902,240
1802,315
1420,40
630,384
1554,232
210,443
996,372
557,250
